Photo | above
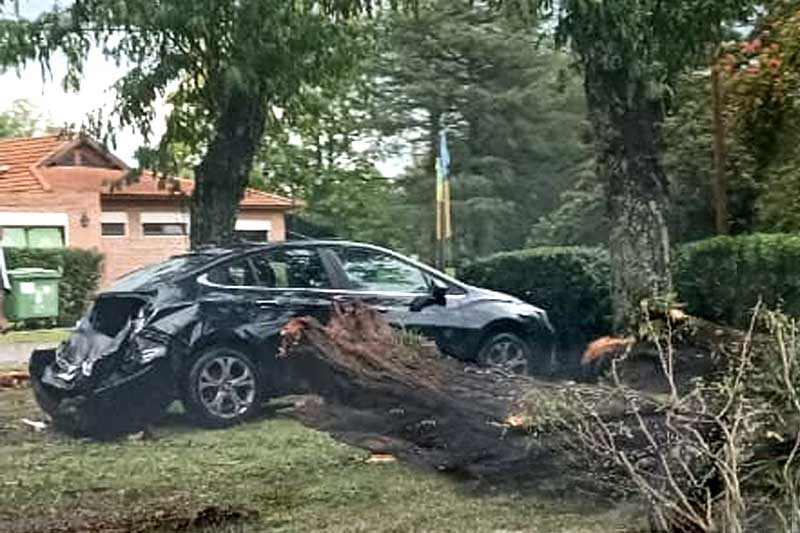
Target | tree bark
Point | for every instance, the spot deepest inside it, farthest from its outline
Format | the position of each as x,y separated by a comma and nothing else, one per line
222,177
720,184
626,123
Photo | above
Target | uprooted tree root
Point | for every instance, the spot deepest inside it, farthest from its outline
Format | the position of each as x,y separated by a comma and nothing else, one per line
387,392
384,391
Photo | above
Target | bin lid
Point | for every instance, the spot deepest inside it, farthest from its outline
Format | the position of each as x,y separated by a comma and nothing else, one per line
34,273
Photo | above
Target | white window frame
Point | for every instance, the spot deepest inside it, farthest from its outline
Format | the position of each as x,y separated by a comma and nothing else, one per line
165,217
253,225
22,219
114,217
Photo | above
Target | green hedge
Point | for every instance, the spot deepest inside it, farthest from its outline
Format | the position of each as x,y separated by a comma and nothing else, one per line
571,283
722,279
81,272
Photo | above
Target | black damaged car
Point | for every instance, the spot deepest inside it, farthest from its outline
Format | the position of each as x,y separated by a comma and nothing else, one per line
205,328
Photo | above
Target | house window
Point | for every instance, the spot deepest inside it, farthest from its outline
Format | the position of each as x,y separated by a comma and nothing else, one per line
252,230
113,229
33,237
113,223
161,229
252,235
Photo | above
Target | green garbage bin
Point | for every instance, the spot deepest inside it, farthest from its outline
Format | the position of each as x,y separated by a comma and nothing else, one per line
34,294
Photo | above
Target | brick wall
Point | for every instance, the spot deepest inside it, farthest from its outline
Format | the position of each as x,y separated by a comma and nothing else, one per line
134,250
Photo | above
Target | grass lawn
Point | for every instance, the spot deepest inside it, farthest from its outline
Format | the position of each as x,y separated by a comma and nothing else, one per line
39,336
290,478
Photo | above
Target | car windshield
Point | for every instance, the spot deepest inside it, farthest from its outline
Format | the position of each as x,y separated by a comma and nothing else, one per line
159,272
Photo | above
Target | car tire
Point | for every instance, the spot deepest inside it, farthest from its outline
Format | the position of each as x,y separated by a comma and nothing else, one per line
223,387
508,352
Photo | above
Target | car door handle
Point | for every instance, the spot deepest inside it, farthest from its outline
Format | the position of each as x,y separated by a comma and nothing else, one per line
381,309
267,303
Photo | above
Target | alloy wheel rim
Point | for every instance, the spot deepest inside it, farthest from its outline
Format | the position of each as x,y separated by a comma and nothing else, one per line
509,356
226,386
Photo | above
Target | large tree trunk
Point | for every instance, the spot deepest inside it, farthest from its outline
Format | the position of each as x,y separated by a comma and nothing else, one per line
222,177
626,124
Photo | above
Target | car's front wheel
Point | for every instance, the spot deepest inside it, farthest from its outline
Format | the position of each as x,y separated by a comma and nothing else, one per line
507,351
223,387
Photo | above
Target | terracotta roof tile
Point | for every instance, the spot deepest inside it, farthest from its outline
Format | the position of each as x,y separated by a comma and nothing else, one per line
149,186
18,158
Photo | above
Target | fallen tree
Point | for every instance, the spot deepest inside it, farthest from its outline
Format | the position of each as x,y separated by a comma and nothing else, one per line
386,392
686,442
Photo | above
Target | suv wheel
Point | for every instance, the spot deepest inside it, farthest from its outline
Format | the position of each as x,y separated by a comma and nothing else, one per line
508,352
223,387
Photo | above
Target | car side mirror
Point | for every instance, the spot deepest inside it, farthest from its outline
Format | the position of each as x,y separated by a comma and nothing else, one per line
436,296
439,294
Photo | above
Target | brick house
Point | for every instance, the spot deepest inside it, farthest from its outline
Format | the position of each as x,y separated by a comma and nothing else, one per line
57,191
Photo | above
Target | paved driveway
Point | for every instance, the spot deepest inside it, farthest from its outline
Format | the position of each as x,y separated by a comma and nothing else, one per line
17,354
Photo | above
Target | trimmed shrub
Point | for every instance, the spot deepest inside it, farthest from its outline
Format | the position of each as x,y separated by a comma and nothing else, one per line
719,279
570,283
81,271
722,279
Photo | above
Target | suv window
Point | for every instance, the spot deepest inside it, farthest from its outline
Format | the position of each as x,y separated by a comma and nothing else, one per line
370,270
293,268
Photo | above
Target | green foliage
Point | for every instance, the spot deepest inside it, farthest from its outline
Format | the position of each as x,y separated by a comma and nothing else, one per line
513,110
723,278
631,52
580,219
719,279
762,83
514,114
81,271
645,41
571,283
312,153
20,120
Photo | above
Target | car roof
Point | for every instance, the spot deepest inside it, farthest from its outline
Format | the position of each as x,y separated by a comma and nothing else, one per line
206,257
243,247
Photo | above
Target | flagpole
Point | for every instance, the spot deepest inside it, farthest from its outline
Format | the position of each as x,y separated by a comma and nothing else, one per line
438,249
448,229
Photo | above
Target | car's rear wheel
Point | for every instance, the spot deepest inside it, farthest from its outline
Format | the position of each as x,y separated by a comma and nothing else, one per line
508,352
223,387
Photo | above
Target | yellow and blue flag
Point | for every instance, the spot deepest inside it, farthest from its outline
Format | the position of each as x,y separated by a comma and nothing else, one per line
444,179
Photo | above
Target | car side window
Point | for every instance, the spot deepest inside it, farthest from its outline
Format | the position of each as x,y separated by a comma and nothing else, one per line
236,273
370,270
291,268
